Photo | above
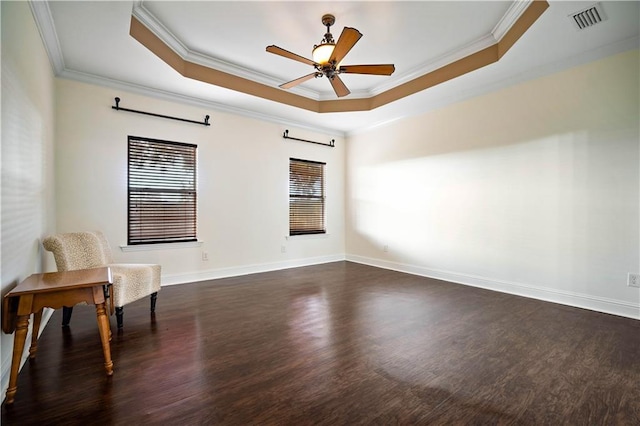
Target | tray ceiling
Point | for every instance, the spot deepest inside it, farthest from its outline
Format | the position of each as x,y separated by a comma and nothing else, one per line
91,41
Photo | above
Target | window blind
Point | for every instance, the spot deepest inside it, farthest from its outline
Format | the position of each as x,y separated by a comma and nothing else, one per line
161,191
306,197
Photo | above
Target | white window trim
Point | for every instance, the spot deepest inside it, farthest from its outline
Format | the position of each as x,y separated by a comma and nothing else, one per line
161,246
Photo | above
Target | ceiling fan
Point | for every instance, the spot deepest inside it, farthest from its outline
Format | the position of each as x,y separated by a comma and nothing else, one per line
327,57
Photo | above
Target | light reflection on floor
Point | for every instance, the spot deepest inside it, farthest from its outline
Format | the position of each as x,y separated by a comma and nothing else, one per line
309,323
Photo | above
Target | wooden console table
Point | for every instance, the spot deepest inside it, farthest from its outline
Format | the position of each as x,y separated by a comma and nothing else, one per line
53,290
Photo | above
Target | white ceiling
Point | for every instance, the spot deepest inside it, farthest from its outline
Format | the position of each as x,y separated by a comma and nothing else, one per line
89,41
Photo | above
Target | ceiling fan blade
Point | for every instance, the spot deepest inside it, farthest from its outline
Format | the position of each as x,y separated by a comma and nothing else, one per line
297,81
280,51
379,69
338,86
347,40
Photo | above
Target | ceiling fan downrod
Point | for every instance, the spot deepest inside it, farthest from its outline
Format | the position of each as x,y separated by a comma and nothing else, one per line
328,20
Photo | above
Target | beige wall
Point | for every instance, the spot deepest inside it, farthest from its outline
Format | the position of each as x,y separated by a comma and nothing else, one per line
243,167
28,211
533,189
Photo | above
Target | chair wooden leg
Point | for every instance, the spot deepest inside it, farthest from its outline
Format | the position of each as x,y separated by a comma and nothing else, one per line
154,296
66,315
119,315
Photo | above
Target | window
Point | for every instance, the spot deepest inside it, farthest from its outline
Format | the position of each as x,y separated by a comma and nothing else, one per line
306,197
162,191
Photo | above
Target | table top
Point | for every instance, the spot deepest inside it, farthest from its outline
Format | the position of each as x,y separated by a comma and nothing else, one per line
55,281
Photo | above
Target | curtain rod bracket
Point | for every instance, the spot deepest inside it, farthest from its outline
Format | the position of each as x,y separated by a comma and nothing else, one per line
330,144
118,108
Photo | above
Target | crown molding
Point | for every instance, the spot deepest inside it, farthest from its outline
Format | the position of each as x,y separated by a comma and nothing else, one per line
191,100
509,19
516,10
437,63
46,28
154,25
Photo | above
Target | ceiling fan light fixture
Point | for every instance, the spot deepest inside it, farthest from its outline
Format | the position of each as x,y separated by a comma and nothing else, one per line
327,57
322,53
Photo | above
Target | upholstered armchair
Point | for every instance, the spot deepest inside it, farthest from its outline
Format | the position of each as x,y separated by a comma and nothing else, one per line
84,250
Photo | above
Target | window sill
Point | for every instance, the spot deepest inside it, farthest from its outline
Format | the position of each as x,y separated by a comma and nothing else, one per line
307,236
161,246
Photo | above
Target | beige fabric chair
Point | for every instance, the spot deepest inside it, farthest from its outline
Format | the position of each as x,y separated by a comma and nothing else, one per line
84,250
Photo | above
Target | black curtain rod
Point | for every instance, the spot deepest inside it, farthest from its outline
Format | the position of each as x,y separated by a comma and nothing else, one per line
118,108
331,142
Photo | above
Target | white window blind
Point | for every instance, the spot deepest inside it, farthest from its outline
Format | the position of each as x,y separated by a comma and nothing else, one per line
306,197
162,191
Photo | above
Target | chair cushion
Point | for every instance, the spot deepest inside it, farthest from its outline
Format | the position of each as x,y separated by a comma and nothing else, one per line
133,281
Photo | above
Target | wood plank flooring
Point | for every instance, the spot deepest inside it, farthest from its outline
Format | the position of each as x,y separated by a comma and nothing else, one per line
336,344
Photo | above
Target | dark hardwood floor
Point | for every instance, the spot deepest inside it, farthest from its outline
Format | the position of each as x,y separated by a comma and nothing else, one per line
336,344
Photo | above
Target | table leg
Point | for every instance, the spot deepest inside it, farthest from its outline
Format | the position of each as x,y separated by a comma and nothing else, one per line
37,319
103,326
18,346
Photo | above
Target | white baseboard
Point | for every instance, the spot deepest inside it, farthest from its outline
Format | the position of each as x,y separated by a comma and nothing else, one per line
213,274
6,363
578,300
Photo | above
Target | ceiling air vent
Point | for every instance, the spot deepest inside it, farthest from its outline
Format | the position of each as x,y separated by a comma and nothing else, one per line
588,17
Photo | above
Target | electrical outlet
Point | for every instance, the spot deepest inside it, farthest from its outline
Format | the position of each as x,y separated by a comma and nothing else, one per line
205,256
385,248
283,249
633,280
